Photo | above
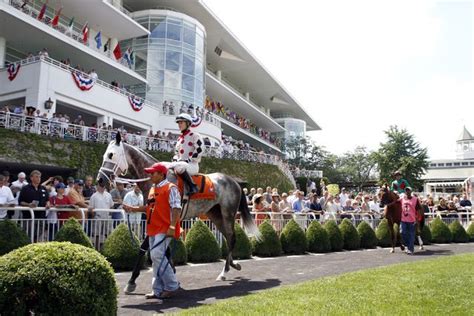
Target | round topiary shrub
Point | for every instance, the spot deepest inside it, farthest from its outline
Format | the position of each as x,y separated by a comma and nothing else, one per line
269,244
13,237
440,232
383,234
180,255
57,279
243,245
73,232
120,250
349,235
470,231
201,244
335,236
458,232
425,235
293,239
368,240
317,238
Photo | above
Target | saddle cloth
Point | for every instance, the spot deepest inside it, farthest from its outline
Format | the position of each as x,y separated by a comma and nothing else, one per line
205,187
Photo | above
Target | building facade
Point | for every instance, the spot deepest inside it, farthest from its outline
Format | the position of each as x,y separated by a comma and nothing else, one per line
153,59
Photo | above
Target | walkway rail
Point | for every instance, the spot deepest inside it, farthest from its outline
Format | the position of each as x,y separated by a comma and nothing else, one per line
104,221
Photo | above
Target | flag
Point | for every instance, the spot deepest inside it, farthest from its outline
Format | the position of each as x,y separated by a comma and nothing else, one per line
117,52
56,17
126,56
98,40
43,10
70,27
107,45
85,32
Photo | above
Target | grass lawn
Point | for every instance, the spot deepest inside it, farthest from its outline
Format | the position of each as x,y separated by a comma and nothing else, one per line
431,287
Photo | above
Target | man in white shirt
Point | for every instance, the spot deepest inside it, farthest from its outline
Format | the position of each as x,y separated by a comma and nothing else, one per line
6,197
21,182
101,199
343,196
134,198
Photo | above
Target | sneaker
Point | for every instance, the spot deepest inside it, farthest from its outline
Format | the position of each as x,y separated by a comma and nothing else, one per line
151,296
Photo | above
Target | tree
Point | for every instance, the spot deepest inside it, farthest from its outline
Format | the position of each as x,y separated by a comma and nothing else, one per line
358,166
401,152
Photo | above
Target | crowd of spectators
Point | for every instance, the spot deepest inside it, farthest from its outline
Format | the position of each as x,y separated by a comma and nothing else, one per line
70,195
239,120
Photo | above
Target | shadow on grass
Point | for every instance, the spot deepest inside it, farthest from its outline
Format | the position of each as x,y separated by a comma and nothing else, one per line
193,298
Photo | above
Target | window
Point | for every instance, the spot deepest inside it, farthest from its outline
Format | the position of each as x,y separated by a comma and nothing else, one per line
157,28
441,165
457,164
189,36
173,32
172,79
449,164
173,60
188,83
188,65
465,163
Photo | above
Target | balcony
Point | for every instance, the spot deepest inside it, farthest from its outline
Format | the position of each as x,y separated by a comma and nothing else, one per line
65,42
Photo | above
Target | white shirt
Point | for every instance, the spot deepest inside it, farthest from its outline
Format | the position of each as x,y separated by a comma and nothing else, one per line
375,207
20,184
101,201
6,197
132,199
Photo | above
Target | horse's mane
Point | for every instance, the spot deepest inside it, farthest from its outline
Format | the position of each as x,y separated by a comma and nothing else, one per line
142,152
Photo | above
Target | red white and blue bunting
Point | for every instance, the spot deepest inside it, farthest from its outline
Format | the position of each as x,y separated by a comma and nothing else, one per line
136,103
13,70
197,120
85,83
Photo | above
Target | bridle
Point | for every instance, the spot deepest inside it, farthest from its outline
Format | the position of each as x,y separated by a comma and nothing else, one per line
110,167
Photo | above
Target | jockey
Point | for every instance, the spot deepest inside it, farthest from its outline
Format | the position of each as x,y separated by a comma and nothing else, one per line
188,152
399,185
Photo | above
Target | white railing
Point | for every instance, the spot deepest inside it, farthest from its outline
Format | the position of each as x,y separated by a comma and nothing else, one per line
100,225
33,8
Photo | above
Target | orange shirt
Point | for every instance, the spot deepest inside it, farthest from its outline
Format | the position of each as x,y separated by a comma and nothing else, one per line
158,212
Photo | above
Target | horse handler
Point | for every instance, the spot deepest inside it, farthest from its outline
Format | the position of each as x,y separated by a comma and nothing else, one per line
163,224
410,205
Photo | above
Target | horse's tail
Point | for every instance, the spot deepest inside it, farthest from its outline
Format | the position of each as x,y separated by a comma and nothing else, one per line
249,225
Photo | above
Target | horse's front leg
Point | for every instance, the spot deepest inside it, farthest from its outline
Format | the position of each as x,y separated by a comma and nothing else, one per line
131,285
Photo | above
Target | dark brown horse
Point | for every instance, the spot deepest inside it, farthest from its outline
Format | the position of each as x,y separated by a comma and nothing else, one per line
393,214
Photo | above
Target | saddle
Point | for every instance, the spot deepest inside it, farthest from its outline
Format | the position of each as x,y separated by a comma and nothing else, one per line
204,184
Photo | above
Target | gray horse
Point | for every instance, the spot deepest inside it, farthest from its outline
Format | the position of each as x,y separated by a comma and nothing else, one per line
121,158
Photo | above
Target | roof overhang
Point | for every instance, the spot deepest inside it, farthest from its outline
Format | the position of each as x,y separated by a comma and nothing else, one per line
101,15
237,65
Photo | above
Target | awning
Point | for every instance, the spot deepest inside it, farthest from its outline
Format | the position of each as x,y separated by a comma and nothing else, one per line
445,184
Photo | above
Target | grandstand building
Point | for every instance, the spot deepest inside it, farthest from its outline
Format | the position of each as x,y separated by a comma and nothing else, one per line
136,64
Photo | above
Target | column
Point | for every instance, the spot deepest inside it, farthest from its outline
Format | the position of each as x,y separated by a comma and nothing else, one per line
219,75
3,51
247,96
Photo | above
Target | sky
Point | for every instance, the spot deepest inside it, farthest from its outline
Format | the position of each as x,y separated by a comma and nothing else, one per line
360,66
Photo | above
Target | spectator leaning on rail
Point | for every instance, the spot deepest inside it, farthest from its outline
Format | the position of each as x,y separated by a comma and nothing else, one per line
6,197
34,195
188,152
163,223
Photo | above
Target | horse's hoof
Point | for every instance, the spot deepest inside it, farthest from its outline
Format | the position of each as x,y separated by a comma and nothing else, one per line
392,250
130,288
237,267
422,248
220,278
402,247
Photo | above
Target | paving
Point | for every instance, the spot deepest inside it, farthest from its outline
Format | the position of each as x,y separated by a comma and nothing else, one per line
257,274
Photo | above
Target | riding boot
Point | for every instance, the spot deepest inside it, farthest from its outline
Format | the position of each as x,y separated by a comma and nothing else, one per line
192,188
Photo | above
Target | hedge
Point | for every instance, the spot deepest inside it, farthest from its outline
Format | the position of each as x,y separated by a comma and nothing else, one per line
368,240
12,237
335,236
440,232
201,245
383,234
293,239
350,236
73,232
119,249
317,238
458,232
180,255
470,231
269,245
425,235
57,278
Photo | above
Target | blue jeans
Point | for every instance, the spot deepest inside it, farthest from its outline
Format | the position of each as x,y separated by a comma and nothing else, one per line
408,235
164,278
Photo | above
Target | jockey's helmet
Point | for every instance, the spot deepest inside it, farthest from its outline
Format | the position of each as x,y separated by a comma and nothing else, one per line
184,117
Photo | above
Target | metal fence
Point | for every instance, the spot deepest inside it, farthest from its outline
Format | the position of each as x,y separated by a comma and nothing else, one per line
106,220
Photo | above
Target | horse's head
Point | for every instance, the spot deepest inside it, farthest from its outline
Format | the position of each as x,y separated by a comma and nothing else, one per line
114,162
386,196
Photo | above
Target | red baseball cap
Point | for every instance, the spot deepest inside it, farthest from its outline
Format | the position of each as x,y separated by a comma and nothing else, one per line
157,167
